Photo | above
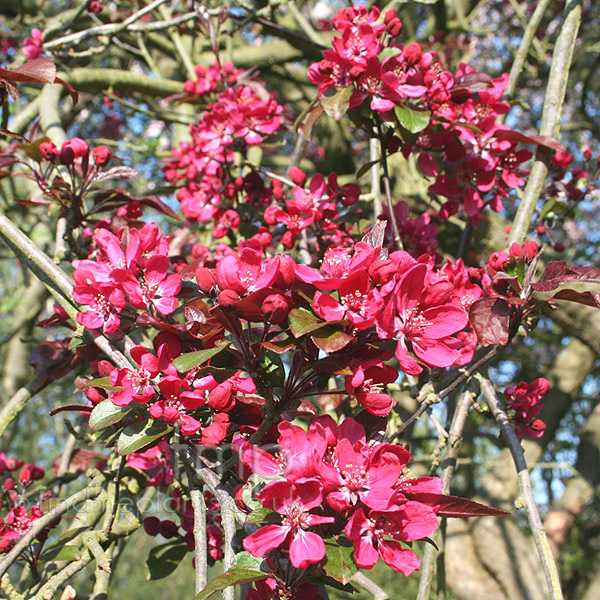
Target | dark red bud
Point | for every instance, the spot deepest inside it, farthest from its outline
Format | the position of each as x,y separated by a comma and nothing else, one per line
298,176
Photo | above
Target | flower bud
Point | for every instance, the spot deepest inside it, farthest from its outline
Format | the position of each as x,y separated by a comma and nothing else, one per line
275,308
206,279
298,176
102,155
49,151
152,525
228,297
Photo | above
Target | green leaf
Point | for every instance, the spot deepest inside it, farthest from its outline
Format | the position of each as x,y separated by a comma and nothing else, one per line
104,383
191,360
259,515
164,559
335,101
106,413
339,565
366,168
331,340
303,321
141,434
271,366
387,52
63,552
234,576
412,120
548,207
245,560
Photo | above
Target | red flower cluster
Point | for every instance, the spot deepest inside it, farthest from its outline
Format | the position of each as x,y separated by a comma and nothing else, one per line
473,158
134,267
332,481
238,117
318,205
523,406
367,58
19,518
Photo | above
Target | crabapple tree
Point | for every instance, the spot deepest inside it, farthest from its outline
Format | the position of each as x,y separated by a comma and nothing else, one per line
305,289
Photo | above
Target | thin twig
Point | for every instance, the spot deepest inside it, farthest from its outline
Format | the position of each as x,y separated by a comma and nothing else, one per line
230,513
199,531
429,396
387,186
453,444
178,41
369,585
108,29
526,41
56,280
551,118
375,180
533,515
17,403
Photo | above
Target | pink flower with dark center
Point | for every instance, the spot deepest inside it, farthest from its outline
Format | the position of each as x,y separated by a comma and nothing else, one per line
422,318
358,46
154,286
378,534
367,383
292,501
246,272
359,302
364,474
105,301
137,385
176,403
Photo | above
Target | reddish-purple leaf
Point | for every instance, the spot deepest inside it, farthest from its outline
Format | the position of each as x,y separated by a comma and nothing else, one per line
375,237
538,140
468,84
490,319
51,360
574,284
38,70
119,172
72,91
111,199
454,506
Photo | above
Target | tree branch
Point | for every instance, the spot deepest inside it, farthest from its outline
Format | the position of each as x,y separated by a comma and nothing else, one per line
55,279
535,522
91,491
526,41
551,118
453,445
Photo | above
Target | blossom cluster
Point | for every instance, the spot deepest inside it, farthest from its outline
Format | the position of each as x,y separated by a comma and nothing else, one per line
237,117
472,156
523,404
356,59
333,480
20,514
133,267
399,304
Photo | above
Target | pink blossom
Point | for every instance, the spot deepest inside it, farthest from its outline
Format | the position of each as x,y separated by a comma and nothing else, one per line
293,501
33,45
